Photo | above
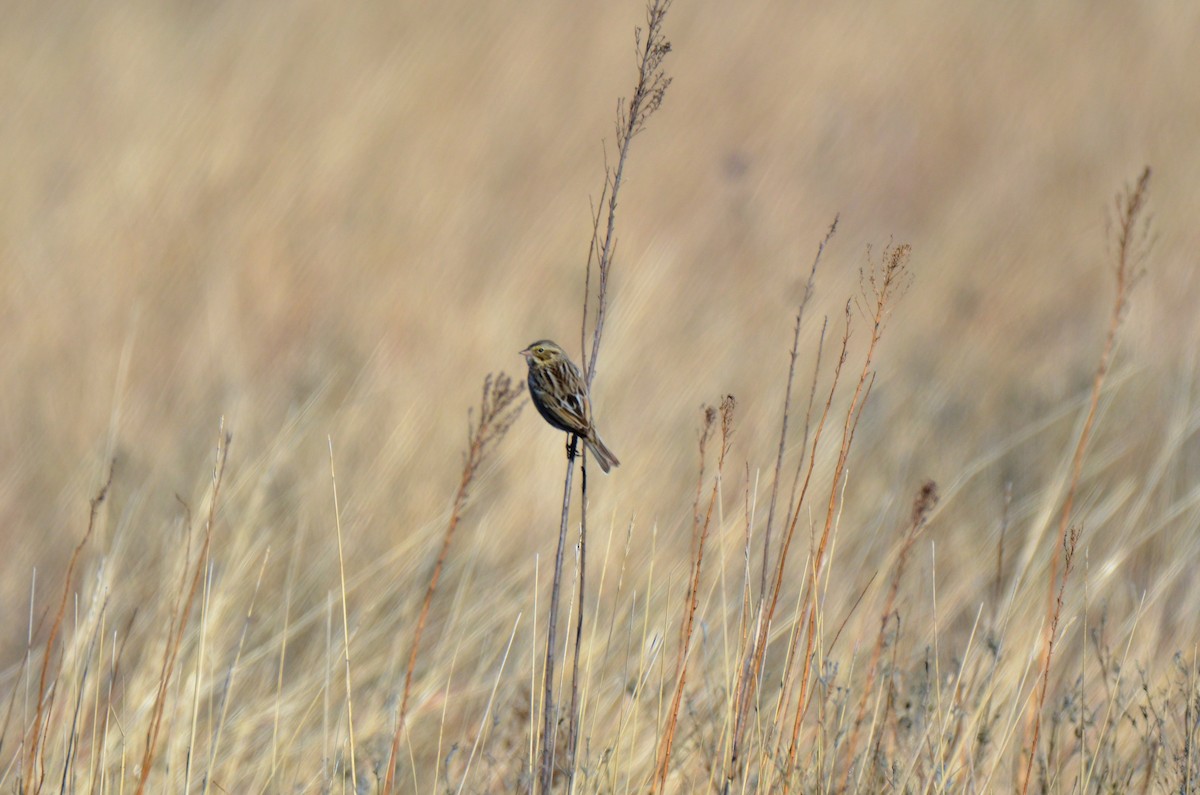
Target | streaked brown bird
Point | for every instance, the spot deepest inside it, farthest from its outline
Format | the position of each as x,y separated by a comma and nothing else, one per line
560,393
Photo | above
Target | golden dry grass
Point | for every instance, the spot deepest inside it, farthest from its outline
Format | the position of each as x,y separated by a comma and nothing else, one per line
326,223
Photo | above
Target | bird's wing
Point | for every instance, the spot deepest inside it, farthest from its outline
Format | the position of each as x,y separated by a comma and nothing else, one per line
575,405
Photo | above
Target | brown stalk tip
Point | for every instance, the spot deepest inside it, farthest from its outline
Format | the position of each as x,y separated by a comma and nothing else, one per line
925,502
1135,196
895,264
728,404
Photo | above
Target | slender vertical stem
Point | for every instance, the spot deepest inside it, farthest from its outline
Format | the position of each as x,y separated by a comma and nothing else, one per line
549,712
573,734
337,519
787,407
1131,243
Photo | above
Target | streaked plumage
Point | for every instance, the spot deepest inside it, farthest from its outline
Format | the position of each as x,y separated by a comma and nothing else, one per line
560,393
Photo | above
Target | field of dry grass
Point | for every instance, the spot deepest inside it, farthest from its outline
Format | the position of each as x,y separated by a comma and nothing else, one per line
319,226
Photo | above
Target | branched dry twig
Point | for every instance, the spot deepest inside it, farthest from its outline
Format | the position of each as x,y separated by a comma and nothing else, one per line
924,503
498,409
882,283
752,664
700,535
652,83
787,403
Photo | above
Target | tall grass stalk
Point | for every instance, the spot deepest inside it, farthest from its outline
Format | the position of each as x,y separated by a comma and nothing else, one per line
650,88
1131,242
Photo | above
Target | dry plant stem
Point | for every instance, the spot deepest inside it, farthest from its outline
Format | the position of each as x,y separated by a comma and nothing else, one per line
746,613
883,281
1131,243
498,409
549,713
651,87
179,620
706,432
1069,544
880,285
787,404
693,592
742,649
793,503
37,772
748,675
923,504
652,84
573,730
337,518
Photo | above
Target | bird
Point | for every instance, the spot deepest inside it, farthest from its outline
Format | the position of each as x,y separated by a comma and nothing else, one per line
560,393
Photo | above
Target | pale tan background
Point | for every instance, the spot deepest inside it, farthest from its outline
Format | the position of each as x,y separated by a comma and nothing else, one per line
332,219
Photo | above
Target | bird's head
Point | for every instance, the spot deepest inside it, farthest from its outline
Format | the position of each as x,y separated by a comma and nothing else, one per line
543,352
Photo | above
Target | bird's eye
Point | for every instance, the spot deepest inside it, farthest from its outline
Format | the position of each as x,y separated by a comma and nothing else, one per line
539,349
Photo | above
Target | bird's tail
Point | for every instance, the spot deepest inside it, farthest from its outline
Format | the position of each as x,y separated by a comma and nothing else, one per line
604,456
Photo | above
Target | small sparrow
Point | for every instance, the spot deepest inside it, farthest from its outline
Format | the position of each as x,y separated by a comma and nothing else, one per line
560,393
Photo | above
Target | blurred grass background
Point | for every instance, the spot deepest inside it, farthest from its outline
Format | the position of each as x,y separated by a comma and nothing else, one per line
327,220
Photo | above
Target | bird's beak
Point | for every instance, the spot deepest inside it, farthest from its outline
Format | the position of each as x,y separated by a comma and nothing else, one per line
526,353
